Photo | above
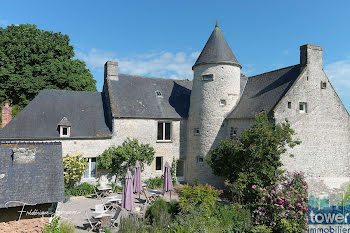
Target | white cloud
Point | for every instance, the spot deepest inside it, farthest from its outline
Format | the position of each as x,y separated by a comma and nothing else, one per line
95,58
159,64
339,74
4,23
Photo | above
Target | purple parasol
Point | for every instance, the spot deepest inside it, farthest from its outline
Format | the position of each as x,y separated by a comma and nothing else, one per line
168,182
128,196
137,179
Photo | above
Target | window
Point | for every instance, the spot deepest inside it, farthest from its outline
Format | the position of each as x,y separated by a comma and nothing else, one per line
164,131
208,77
91,169
159,94
323,85
64,131
233,133
222,102
159,163
302,107
196,131
289,104
200,160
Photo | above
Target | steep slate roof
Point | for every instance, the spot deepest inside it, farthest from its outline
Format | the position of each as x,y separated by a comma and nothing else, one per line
64,122
37,182
216,50
262,92
135,96
40,118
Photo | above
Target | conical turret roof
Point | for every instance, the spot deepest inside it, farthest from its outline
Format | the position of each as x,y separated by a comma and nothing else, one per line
216,50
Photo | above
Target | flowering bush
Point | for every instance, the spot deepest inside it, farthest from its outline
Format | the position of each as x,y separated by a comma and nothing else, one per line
283,205
74,167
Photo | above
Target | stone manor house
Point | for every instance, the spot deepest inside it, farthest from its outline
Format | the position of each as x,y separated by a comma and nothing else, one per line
185,119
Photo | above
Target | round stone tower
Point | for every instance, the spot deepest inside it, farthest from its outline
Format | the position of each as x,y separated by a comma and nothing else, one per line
215,92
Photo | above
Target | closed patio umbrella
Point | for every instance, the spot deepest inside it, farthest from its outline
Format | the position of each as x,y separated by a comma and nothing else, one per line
168,182
137,180
128,196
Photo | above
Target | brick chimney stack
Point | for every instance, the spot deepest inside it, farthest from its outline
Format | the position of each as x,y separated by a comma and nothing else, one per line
6,114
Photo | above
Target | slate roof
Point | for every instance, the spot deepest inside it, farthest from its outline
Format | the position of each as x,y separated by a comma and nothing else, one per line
216,50
136,97
64,122
262,92
38,182
40,118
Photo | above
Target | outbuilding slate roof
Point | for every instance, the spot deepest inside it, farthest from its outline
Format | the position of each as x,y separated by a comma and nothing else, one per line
262,92
216,50
38,182
136,97
40,118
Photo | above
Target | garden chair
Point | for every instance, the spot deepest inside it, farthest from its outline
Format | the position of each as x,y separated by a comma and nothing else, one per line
99,209
94,224
98,193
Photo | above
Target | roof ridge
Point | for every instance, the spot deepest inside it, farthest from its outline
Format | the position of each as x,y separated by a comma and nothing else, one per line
139,76
273,71
62,90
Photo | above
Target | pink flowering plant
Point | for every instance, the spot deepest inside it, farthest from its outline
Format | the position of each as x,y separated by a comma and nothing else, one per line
283,204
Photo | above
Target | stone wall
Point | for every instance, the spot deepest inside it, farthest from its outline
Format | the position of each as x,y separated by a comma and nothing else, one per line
324,129
145,130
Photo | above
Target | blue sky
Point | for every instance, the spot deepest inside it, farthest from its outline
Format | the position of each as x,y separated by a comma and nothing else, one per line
164,38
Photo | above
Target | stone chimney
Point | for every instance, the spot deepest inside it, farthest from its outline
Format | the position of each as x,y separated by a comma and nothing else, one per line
6,114
111,70
311,55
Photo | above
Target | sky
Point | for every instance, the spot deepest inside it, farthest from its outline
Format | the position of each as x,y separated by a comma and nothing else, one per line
164,38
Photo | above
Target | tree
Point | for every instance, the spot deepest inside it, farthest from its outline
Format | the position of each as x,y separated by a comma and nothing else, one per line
74,167
253,160
32,59
117,160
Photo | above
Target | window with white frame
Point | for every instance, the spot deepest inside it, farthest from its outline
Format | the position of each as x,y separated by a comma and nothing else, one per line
91,169
208,77
233,133
159,163
64,131
302,107
164,131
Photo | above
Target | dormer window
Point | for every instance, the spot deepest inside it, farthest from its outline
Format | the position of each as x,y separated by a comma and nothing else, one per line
64,127
207,77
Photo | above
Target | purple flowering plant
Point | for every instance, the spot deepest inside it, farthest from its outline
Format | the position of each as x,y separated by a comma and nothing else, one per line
286,199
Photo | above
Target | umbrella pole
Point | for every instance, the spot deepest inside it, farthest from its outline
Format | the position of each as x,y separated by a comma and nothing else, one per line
139,198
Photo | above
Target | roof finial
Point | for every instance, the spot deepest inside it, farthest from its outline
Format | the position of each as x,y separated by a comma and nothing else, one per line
216,25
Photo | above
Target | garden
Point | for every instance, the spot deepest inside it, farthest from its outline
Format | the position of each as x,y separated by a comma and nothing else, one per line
258,195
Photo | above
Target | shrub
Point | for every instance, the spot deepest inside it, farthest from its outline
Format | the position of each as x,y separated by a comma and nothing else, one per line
285,200
82,189
154,183
118,159
57,226
53,226
237,218
253,158
200,195
133,224
261,229
74,167
161,207
66,227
